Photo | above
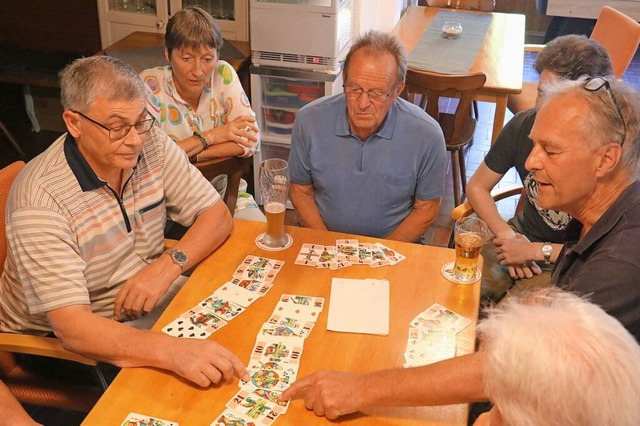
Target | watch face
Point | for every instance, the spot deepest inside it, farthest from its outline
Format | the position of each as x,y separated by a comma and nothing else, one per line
179,256
546,250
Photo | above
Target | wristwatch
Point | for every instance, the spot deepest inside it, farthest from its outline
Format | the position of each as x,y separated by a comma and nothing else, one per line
547,249
178,257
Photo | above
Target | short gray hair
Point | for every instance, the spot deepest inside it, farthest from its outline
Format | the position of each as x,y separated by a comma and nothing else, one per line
380,42
604,122
554,358
194,28
82,81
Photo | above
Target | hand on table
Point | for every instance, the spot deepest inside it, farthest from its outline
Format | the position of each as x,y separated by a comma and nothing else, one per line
141,292
204,362
329,393
242,130
517,254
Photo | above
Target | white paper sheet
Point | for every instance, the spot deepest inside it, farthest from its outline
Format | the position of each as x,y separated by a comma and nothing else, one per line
359,306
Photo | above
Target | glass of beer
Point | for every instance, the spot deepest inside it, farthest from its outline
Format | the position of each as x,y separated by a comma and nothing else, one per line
274,187
470,234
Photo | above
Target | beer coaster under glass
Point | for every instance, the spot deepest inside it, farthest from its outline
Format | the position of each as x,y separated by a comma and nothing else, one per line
260,243
447,272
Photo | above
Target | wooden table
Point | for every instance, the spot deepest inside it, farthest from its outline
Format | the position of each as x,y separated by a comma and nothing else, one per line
141,39
500,57
415,284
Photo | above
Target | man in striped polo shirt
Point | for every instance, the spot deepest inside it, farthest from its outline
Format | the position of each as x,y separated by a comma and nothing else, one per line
85,231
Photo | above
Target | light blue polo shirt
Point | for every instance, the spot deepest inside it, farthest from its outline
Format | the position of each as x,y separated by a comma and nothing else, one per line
367,187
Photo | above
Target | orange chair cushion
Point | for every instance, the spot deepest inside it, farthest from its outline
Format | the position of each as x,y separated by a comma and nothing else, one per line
7,176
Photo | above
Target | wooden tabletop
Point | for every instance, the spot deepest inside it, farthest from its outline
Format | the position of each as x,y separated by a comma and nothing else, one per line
501,55
415,284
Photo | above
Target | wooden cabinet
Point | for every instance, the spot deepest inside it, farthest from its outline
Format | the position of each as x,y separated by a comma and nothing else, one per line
119,18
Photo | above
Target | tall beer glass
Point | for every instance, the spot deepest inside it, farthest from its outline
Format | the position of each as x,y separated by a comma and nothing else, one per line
274,187
470,234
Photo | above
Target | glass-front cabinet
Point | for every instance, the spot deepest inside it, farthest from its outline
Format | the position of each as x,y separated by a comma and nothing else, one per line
119,18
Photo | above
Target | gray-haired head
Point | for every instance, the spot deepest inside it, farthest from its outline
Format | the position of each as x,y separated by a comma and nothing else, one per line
604,124
571,56
82,81
380,42
193,28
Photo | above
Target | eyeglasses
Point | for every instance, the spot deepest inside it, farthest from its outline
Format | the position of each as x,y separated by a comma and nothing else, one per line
593,84
354,93
120,132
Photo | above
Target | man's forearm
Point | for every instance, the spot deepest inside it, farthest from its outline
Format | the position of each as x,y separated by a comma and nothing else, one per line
302,198
413,227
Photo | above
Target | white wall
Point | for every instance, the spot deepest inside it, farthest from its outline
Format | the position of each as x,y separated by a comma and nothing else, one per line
376,14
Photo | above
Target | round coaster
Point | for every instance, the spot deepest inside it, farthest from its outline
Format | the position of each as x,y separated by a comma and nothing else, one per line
260,244
447,272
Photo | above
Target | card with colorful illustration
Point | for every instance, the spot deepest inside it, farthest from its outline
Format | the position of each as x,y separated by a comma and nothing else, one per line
327,257
364,254
223,308
309,254
340,264
347,250
272,396
392,256
135,419
236,294
273,376
196,323
295,299
255,286
439,317
259,409
258,268
279,349
378,258
290,325
230,417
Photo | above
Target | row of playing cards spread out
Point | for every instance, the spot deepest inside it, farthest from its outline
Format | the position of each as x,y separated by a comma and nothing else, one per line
432,336
346,253
251,280
274,363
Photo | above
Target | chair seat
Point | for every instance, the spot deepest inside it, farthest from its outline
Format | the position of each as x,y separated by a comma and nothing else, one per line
466,136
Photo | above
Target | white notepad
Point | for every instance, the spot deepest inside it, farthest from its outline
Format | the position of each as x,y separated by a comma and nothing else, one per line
359,306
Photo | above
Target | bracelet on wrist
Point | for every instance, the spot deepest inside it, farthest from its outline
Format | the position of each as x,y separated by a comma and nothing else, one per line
204,142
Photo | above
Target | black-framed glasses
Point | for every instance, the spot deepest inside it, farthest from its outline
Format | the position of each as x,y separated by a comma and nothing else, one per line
120,132
377,96
593,84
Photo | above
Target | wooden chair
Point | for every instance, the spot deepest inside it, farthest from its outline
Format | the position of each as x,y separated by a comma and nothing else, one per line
27,387
233,168
615,31
459,127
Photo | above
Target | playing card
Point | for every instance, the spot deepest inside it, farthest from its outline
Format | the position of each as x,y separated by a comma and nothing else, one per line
258,268
236,294
327,257
222,308
232,418
364,254
135,419
273,397
429,346
270,376
255,407
392,256
439,317
294,299
347,250
279,349
255,286
340,264
378,257
309,254
196,323
299,328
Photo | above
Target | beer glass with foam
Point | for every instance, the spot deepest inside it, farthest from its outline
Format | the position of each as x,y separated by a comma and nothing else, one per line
470,234
274,187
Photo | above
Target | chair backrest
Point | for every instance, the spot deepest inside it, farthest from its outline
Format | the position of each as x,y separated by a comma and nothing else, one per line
483,5
433,86
619,35
7,176
233,167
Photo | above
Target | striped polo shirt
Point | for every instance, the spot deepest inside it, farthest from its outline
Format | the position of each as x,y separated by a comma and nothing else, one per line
72,241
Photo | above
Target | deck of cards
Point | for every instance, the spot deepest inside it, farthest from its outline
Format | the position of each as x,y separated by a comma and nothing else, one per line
252,279
432,336
274,362
347,253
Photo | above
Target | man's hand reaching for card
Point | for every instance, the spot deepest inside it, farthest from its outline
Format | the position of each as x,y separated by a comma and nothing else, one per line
203,362
329,393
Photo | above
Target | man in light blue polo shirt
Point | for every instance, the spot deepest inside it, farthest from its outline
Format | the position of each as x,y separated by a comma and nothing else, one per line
366,161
